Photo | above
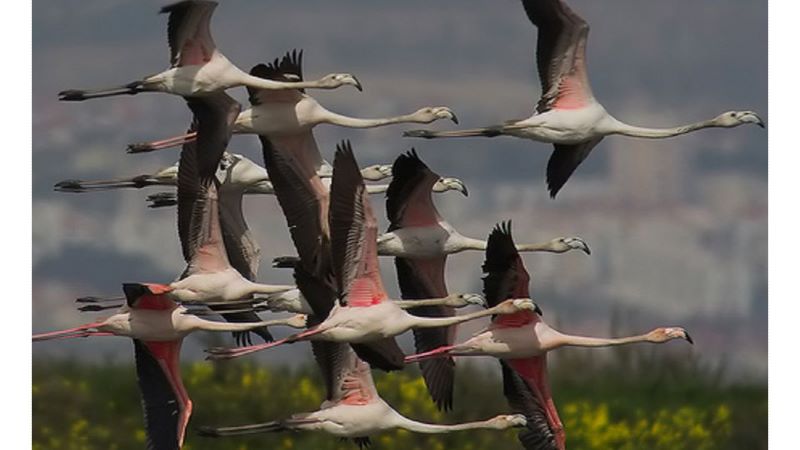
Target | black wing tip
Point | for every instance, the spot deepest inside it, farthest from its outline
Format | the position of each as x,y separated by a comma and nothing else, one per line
185,4
501,229
134,291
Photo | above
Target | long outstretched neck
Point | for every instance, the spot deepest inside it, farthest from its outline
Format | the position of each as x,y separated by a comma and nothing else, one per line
77,95
420,427
566,340
354,122
540,247
258,288
405,304
624,129
467,243
433,322
261,83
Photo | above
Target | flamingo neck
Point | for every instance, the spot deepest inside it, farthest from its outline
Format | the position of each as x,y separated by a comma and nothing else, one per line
624,129
540,247
354,122
434,322
261,83
429,428
466,243
564,340
377,188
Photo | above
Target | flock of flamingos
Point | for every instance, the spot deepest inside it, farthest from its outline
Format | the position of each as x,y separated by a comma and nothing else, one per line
339,300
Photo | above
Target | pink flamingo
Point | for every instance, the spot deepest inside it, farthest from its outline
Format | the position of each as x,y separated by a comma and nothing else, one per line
522,341
197,67
157,326
567,114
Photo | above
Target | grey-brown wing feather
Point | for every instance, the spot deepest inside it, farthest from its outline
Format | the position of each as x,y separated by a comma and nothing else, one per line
563,162
560,45
537,434
439,373
184,18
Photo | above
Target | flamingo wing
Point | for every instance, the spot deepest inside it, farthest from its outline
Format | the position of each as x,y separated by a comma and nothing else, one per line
166,404
354,231
143,296
409,202
420,279
303,199
560,54
563,162
289,68
198,209
189,32
505,276
525,398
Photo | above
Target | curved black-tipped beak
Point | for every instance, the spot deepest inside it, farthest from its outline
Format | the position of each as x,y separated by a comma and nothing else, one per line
454,118
689,339
358,84
538,310
761,123
586,249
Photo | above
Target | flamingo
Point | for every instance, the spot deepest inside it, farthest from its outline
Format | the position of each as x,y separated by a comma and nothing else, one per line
157,326
521,342
294,301
418,231
364,312
164,199
567,114
209,276
197,67
294,112
354,409
240,172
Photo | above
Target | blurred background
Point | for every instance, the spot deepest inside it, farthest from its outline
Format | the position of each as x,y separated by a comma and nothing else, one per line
678,228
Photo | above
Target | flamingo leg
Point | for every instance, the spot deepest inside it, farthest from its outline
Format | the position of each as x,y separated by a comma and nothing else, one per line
435,353
219,353
81,331
144,147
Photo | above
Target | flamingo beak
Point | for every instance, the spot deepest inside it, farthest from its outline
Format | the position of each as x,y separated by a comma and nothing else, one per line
356,83
689,338
453,117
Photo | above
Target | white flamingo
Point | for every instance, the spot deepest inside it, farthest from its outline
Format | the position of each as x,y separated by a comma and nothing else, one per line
567,114
197,67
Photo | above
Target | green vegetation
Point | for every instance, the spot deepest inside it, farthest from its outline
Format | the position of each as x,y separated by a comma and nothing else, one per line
629,399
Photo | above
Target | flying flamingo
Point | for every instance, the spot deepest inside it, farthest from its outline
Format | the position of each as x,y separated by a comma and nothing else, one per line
294,301
292,112
197,67
364,312
567,114
209,276
354,409
158,325
521,342
418,231
165,199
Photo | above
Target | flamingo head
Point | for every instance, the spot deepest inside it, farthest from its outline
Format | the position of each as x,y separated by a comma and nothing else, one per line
297,321
507,421
433,113
377,172
461,300
732,119
335,80
566,244
450,184
666,334
512,306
